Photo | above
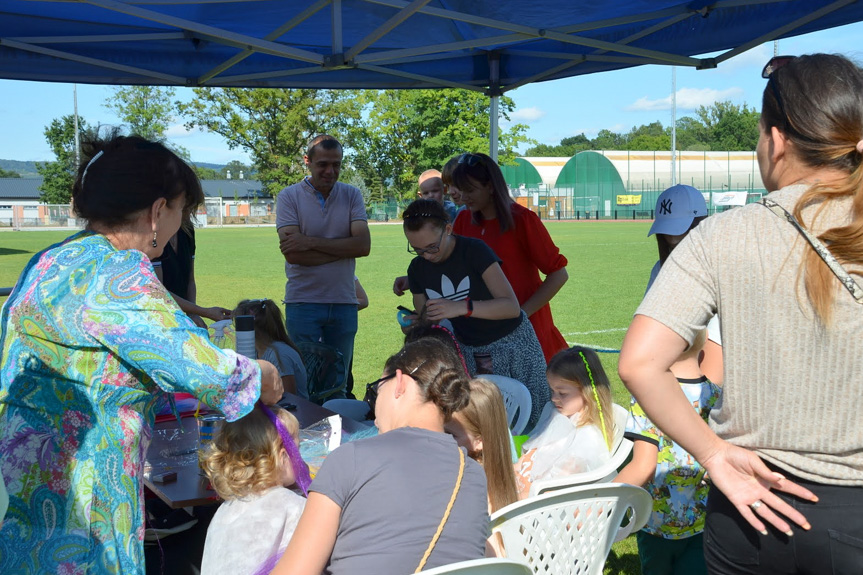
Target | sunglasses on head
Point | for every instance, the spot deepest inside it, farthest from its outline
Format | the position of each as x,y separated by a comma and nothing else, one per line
470,159
774,64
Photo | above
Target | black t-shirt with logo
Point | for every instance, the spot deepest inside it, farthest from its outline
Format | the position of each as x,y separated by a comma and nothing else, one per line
459,277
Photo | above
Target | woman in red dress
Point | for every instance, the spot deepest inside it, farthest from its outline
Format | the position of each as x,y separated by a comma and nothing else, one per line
516,235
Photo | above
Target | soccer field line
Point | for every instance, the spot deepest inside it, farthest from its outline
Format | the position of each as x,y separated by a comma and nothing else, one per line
595,348
591,332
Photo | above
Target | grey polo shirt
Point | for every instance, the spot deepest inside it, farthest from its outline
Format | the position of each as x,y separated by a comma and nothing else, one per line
300,205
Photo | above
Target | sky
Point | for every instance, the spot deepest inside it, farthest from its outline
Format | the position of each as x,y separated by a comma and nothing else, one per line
616,101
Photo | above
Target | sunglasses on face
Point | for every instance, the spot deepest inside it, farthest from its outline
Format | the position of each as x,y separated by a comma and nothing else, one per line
372,388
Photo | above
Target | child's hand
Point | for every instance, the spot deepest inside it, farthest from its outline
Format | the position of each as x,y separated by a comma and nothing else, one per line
438,309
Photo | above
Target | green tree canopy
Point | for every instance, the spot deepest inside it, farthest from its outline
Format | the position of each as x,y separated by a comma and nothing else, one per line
9,174
272,125
59,175
146,110
722,126
405,132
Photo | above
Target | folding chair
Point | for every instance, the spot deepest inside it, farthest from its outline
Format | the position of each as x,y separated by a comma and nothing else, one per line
516,399
570,532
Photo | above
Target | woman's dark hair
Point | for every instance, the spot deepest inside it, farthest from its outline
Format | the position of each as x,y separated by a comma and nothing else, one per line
663,245
122,175
816,101
438,372
422,327
480,168
422,212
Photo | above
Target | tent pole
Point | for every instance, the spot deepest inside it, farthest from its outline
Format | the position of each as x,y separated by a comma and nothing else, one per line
494,92
493,135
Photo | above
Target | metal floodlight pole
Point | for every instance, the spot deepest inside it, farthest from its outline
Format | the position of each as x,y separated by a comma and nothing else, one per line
673,125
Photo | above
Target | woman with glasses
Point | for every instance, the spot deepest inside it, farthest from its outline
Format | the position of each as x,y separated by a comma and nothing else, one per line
460,279
407,499
517,236
784,450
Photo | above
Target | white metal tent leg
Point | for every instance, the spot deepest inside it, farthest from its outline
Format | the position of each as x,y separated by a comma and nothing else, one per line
493,134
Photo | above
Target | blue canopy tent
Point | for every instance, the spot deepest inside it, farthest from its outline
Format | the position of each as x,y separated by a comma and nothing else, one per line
490,46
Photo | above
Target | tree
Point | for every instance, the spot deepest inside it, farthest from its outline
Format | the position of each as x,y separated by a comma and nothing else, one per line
731,127
405,132
272,125
147,110
236,167
59,175
205,173
9,174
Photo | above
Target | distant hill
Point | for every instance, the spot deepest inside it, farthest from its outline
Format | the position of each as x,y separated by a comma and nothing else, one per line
25,169
28,169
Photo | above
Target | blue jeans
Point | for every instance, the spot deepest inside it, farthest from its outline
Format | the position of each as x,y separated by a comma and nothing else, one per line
334,324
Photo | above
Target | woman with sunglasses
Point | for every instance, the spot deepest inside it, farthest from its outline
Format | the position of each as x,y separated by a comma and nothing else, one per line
784,450
460,279
517,236
407,499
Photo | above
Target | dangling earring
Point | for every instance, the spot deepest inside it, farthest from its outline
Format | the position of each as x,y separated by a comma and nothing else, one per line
155,243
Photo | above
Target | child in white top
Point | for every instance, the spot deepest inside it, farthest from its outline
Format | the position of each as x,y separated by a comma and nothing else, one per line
250,468
576,428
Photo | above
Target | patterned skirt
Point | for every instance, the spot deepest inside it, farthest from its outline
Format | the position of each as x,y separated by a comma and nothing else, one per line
519,356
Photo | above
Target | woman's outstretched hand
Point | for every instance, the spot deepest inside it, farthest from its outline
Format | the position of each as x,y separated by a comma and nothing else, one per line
747,482
271,384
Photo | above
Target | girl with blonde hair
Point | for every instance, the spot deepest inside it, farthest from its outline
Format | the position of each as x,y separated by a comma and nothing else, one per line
575,432
251,463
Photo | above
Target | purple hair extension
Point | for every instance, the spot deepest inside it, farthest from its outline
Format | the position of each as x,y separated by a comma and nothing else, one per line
455,342
301,472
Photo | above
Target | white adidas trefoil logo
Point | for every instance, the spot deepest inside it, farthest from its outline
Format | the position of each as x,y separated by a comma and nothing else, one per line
450,292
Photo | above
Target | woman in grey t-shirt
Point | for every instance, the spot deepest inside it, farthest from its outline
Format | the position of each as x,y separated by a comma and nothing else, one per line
377,503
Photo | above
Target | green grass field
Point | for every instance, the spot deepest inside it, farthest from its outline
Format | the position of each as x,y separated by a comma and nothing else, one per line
609,263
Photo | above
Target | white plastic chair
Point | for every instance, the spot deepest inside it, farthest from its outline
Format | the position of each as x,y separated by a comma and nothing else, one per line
482,567
621,447
516,399
570,532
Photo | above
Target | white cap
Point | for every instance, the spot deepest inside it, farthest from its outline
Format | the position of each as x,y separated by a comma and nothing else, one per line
676,207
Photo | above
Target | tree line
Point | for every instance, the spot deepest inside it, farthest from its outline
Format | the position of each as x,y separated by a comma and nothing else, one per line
721,126
390,136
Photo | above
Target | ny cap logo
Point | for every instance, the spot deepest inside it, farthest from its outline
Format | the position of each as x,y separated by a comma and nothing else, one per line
665,207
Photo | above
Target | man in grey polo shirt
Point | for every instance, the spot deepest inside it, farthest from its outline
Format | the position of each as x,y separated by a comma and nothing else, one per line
322,228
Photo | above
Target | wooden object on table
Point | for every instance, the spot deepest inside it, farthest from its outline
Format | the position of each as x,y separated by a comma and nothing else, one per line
172,450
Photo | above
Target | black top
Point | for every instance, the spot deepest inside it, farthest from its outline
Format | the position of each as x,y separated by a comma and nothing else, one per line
459,277
176,266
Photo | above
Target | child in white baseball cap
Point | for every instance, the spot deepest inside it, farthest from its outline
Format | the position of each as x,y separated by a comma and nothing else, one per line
678,210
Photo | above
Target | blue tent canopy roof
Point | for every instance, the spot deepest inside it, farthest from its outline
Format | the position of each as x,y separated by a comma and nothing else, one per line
486,45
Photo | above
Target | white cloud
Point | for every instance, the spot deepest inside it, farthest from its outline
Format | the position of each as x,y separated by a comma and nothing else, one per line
687,99
531,114
175,131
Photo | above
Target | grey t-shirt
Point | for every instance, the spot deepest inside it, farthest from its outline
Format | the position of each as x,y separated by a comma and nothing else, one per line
288,362
393,490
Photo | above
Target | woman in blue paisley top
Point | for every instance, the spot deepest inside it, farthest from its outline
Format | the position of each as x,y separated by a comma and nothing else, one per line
91,342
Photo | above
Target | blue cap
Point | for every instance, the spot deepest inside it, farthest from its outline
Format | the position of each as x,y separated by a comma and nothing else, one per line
676,207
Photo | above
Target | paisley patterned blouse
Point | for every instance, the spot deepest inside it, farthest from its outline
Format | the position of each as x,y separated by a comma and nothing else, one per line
90,342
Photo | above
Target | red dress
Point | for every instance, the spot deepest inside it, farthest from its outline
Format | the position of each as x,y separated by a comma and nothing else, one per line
526,250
